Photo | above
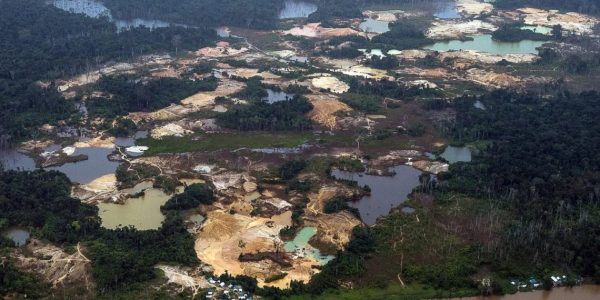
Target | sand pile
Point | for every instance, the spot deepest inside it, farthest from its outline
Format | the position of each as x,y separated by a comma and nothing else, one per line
325,108
330,83
451,29
314,30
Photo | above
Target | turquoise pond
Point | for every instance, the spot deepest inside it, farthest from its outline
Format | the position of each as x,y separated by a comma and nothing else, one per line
300,246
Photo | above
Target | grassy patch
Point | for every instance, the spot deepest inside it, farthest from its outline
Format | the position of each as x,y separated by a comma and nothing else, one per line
212,142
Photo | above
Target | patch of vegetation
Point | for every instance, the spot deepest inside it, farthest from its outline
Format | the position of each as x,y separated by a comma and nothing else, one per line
166,183
275,277
231,141
259,115
193,195
291,169
41,201
123,127
362,102
513,33
130,94
129,175
337,204
404,35
31,51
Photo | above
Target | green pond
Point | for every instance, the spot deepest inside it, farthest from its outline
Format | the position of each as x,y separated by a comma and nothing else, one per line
300,246
485,43
538,29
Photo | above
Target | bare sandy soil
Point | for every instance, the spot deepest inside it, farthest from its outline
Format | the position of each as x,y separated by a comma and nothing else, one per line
473,8
314,30
451,29
325,107
570,21
223,237
330,83
53,265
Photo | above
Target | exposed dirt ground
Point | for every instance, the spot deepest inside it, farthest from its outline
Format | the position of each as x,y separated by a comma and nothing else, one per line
325,107
62,270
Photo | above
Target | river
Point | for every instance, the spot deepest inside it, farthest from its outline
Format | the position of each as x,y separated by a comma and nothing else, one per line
582,292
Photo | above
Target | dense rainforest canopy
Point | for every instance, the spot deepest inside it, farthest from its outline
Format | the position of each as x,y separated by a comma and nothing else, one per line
41,202
541,160
40,42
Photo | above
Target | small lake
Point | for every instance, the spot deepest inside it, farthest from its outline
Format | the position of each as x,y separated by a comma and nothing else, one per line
87,170
485,43
479,104
447,10
18,235
130,141
96,9
89,8
374,26
277,96
387,192
457,154
538,29
142,212
297,9
300,246
11,159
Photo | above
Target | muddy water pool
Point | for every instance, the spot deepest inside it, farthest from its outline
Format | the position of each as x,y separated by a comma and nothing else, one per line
143,212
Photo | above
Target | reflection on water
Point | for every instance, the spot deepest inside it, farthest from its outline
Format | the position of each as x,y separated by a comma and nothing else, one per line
485,43
18,235
123,25
447,10
300,246
538,29
90,8
130,141
376,26
143,212
457,154
297,9
95,9
11,159
582,292
387,192
87,170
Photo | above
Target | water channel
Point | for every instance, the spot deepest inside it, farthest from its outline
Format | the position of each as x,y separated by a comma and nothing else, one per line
582,292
